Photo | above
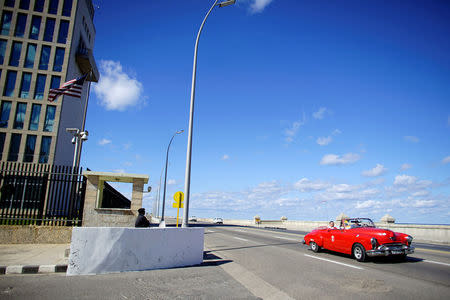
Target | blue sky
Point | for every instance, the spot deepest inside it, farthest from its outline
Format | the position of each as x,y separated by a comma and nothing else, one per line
304,109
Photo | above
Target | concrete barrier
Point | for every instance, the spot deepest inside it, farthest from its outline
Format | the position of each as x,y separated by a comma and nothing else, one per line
97,250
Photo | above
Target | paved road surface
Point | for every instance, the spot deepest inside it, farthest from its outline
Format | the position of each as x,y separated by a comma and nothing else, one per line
279,260
246,263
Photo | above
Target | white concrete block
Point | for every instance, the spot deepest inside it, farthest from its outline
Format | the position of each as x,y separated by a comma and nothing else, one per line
46,269
14,269
96,250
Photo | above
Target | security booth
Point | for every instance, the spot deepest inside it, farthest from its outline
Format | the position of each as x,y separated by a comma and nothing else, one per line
106,207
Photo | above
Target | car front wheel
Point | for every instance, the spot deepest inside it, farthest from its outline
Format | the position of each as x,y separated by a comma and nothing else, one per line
359,252
314,247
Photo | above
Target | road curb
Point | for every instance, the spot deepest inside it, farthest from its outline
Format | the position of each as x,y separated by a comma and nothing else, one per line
32,269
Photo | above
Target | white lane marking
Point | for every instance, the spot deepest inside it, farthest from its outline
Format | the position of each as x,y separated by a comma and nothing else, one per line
285,238
210,231
436,262
336,262
240,239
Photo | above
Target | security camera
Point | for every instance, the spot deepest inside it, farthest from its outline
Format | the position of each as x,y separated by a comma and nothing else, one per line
74,140
84,135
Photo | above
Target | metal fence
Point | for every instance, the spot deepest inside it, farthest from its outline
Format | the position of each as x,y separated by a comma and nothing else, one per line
41,194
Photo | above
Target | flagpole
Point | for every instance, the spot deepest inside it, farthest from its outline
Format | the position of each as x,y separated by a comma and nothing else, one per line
84,120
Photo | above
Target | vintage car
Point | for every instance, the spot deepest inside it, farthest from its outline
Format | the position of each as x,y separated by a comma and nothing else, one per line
360,238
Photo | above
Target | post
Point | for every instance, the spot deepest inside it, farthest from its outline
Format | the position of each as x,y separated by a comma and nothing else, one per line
187,177
78,158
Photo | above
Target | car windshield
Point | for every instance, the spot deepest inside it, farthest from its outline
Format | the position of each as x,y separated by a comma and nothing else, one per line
358,222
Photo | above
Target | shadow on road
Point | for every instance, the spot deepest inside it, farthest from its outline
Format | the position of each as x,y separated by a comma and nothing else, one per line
255,246
376,260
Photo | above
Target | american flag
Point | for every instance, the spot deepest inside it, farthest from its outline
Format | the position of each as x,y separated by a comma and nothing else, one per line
71,88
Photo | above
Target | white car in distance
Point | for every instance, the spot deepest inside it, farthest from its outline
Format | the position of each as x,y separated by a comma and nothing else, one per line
217,221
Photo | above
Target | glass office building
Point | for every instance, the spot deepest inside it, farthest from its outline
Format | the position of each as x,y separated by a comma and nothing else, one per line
43,43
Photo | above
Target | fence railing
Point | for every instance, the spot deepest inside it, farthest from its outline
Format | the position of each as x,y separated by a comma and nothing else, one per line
41,194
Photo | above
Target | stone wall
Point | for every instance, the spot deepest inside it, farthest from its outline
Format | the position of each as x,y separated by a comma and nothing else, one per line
16,234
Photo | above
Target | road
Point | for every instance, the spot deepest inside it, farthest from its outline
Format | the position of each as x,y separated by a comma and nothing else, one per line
247,263
278,260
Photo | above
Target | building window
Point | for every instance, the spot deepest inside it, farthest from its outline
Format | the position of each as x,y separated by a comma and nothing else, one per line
25,85
59,60
40,86
6,22
31,54
45,57
67,8
14,147
45,149
24,4
4,117
20,25
20,115
35,26
49,29
2,50
30,146
55,82
63,29
9,3
2,143
15,54
39,5
10,84
53,7
49,118
34,118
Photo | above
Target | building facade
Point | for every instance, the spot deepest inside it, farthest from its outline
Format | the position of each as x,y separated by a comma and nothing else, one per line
43,43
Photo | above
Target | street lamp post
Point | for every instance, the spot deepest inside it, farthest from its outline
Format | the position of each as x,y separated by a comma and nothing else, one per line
163,222
187,178
77,135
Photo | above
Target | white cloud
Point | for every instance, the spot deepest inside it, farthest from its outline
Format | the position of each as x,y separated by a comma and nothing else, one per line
368,204
376,171
171,182
405,180
422,193
333,159
323,141
423,203
104,141
446,160
225,157
405,167
116,89
292,131
411,138
306,185
320,114
258,6
336,132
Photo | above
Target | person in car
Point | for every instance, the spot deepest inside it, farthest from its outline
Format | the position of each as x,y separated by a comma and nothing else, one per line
331,225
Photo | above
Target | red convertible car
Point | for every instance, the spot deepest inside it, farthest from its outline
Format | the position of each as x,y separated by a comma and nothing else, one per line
360,238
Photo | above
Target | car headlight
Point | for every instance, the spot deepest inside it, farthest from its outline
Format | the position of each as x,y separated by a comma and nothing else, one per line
374,242
409,239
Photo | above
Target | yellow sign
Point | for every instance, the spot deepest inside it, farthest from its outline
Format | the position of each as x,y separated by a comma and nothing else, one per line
179,198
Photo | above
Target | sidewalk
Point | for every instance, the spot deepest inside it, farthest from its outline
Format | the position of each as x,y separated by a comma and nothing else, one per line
33,258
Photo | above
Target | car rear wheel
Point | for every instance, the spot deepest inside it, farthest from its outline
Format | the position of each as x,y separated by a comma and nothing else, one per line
314,247
359,252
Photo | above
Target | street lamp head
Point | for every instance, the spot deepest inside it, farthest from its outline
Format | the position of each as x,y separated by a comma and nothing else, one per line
73,130
180,131
226,3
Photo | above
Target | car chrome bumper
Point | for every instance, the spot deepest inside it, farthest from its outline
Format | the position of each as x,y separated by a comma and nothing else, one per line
386,250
